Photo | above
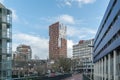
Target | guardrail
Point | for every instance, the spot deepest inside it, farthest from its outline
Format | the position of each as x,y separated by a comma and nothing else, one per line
85,77
59,77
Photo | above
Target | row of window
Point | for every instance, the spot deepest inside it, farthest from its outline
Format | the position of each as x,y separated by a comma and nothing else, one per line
115,37
82,51
111,25
5,15
81,48
105,23
114,20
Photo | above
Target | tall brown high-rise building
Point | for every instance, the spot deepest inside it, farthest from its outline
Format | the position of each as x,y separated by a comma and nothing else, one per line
57,41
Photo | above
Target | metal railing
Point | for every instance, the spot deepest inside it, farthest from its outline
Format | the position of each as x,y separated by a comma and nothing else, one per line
59,77
88,77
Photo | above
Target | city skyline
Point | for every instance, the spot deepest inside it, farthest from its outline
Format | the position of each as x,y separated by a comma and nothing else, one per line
31,21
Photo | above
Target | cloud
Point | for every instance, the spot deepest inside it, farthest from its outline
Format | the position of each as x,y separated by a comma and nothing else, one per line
68,3
82,2
2,1
70,44
85,1
38,44
14,15
99,17
63,3
75,27
72,31
80,33
67,19
64,18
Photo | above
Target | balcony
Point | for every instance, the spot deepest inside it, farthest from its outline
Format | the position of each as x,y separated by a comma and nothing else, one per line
5,34
5,65
7,51
5,16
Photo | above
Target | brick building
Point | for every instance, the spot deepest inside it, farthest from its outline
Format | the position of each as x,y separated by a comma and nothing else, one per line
57,41
23,53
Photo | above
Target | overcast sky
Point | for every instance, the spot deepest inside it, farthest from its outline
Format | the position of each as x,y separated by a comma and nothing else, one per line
31,20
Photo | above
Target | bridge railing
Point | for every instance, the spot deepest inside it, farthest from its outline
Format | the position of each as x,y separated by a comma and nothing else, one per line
59,77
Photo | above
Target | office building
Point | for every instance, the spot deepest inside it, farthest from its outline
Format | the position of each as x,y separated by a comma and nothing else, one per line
23,53
5,43
57,41
107,45
82,54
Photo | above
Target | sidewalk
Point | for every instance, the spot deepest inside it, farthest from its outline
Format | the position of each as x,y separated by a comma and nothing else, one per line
75,77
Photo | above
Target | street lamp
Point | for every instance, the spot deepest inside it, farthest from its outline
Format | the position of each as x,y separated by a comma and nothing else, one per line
91,60
28,68
35,70
90,46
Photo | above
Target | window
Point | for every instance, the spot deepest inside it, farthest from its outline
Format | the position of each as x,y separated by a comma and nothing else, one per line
114,3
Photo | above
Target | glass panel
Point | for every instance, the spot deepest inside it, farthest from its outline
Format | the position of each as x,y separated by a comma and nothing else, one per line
4,46
4,58
4,74
4,30
4,13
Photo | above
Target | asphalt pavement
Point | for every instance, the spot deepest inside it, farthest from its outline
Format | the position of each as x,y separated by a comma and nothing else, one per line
75,77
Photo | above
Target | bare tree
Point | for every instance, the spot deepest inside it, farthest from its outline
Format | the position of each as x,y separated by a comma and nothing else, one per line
36,57
62,64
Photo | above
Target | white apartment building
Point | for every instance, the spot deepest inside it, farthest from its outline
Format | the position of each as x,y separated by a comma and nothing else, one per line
82,54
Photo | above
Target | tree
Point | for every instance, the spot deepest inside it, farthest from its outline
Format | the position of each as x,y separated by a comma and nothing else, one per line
63,64
36,57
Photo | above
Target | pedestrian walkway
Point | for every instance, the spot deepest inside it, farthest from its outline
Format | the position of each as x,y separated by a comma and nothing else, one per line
75,77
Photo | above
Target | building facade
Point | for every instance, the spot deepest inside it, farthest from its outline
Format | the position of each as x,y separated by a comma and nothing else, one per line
23,53
107,45
82,55
57,41
5,43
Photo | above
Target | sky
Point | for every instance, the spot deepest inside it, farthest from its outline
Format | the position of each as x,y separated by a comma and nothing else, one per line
31,20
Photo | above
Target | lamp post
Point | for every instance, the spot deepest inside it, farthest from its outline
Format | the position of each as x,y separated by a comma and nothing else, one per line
35,70
28,68
91,60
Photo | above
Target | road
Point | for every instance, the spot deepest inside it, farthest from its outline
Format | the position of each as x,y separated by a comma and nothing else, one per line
75,77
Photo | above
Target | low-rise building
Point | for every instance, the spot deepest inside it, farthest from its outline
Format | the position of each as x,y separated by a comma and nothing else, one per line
29,68
23,53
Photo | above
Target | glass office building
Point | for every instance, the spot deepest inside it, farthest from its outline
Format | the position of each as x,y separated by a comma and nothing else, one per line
106,52
5,43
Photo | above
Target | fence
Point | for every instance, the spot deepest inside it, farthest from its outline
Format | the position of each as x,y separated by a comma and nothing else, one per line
85,77
59,77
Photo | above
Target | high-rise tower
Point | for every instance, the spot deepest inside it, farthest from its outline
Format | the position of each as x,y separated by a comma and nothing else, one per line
57,41
5,43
